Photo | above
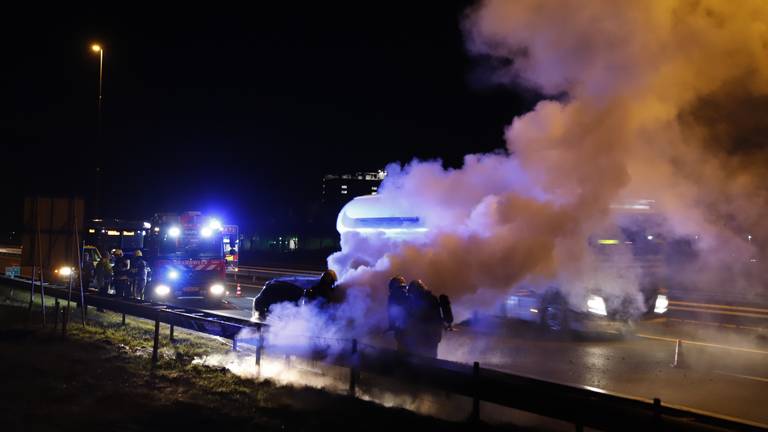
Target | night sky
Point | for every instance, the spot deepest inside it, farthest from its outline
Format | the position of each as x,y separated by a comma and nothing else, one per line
238,112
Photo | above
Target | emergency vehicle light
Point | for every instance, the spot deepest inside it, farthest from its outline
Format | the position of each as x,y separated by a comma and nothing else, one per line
174,231
206,232
113,232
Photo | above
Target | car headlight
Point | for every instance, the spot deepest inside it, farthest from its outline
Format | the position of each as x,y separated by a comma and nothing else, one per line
662,304
65,271
162,290
206,232
596,305
217,289
173,275
174,231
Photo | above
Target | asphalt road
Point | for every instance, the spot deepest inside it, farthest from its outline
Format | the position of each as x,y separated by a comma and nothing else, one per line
722,363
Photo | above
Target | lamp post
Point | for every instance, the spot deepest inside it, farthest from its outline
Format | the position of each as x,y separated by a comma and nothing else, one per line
97,48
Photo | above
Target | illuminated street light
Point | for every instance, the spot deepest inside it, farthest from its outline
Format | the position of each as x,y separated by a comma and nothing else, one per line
98,49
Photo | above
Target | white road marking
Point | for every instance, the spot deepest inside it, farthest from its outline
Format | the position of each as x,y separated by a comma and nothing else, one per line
717,306
712,324
706,344
721,312
749,377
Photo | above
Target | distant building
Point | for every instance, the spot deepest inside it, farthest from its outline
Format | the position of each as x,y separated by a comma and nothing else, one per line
340,189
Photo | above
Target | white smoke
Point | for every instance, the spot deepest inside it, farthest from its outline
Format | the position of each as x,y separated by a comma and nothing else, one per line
628,78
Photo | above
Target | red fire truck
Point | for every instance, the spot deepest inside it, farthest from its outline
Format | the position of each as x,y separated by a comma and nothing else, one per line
186,254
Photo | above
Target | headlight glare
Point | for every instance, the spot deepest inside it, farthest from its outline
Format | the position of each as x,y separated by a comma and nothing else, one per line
596,305
662,304
217,289
162,290
174,231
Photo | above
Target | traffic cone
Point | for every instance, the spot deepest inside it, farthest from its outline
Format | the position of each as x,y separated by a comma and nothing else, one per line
239,292
679,359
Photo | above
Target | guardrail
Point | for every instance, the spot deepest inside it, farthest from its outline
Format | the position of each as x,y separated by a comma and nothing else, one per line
581,406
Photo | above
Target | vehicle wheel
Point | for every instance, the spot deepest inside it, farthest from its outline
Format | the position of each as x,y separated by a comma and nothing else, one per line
555,317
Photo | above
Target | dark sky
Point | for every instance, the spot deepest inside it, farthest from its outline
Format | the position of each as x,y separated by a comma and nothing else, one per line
238,112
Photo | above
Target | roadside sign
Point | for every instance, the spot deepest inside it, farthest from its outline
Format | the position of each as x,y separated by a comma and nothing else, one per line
13,271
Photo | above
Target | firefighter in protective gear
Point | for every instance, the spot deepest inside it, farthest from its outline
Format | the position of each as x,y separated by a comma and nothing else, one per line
397,305
425,322
139,272
103,275
324,290
122,277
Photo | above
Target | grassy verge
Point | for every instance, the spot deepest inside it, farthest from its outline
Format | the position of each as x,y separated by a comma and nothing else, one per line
100,377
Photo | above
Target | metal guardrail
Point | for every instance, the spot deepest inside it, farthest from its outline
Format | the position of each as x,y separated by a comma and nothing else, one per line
581,406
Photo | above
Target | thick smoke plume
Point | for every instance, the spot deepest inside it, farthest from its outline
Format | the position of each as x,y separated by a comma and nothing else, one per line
649,99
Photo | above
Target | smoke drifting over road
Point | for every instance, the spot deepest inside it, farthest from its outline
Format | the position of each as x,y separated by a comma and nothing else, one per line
650,99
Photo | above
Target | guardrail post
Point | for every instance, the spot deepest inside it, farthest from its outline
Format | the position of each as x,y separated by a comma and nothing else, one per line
657,413
354,370
474,416
234,343
171,334
64,319
56,311
32,289
123,319
259,352
156,344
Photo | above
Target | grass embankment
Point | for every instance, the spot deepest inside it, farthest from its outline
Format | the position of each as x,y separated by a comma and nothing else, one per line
99,377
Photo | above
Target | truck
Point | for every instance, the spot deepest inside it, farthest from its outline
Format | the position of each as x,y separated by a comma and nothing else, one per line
186,254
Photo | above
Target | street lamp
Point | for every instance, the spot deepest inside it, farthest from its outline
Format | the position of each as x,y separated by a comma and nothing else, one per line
98,49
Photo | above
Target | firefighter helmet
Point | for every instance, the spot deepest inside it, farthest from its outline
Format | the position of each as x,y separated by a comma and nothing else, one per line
416,286
117,252
138,253
396,282
329,277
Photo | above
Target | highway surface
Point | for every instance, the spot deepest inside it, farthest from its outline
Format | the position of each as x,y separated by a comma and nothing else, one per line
722,363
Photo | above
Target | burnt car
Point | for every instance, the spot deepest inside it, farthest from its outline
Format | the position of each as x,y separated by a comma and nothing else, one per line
281,290
593,312
628,278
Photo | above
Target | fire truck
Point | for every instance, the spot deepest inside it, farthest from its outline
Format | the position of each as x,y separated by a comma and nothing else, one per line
186,254
231,242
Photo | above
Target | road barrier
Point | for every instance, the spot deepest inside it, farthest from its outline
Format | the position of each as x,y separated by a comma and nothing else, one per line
581,406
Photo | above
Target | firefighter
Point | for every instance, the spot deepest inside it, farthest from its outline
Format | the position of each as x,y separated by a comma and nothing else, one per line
88,271
103,275
121,270
139,272
425,322
396,309
324,290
